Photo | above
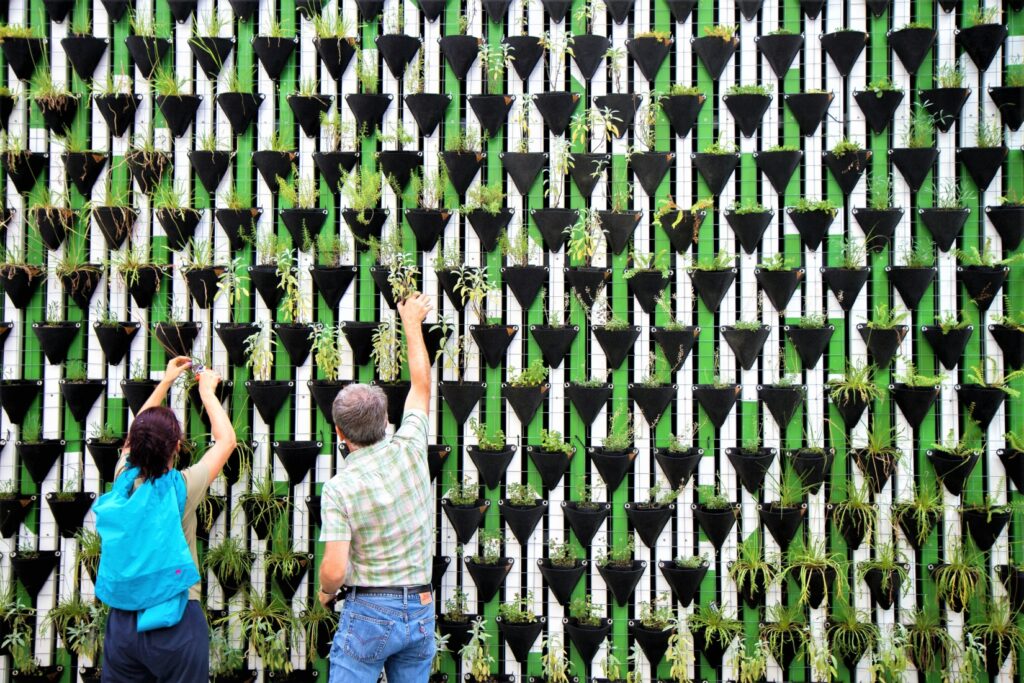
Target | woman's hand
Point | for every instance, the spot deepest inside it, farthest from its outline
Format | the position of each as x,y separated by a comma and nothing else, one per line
175,367
208,380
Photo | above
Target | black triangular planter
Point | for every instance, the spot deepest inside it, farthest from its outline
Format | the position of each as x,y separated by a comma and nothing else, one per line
273,53
13,512
879,226
17,397
307,110
782,401
678,466
623,106
465,519
179,111
912,45
985,526
585,522
914,163
289,585
427,226
650,169
877,467
83,168
1009,223
616,343
647,286
622,582
335,53
296,339
493,341
552,224
557,9
136,392
812,466
1009,100
496,9
913,531
587,283
649,53
461,397
398,51
324,392
681,112
525,282
359,336
148,168
241,109
210,167
428,109
115,339
366,224
981,43
211,53
715,169
69,515
523,168
143,288
1012,577
848,168
561,581
551,465
751,467
233,336
716,524
398,165
653,642
238,224
846,284
649,522
882,343
587,51
1011,342
202,284
368,110
491,111
84,52
780,50
982,283
6,107
525,401
520,637
80,396
54,224
118,110
269,396
587,639
982,163
39,457
853,528
115,223
944,104
715,53
180,226
778,166
851,411
620,9
652,400
844,47
587,170
717,402
1013,462
746,344
460,51
462,168
681,9
274,166
522,520
810,342
33,570
55,339
911,283
808,109
176,338
526,52
684,581
303,225
914,402
884,586
147,52
490,464
81,284
779,285
782,521
242,9
675,343
952,469
947,346
58,112
265,279
23,54
588,400
747,110
878,107
613,466
980,402
749,227
556,109
712,285
297,457
449,280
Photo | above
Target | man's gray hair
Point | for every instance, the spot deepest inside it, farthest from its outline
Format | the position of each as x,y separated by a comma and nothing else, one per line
360,411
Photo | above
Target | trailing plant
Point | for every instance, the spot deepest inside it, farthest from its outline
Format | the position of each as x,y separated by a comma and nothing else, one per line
388,353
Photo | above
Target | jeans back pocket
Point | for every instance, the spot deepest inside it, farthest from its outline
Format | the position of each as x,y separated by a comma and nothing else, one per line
367,637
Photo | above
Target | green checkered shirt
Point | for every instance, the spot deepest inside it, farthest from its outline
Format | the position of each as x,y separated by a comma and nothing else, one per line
382,502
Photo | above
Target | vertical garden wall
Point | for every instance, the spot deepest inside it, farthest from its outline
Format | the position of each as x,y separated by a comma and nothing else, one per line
728,320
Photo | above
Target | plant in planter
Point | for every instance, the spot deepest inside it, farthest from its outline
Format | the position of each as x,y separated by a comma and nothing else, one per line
175,214
785,633
493,106
585,237
713,632
486,214
19,631
985,391
851,635
890,660
491,455
747,104
715,513
812,218
266,623
885,574
231,563
262,505
815,570
851,392
917,517
135,267
476,653
464,508
983,273
303,218
752,571
361,192
288,568
586,627
999,634
620,570
267,394
52,219
946,219
918,154
929,643
954,459
56,103
712,278
883,334
20,278
562,570
519,624
960,577
78,277
226,660
855,515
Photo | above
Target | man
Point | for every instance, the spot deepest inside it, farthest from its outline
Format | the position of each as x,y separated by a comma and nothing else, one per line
378,526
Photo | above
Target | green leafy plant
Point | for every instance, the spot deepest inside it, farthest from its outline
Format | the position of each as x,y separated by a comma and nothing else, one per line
808,561
486,441
518,610
387,352
464,492
534,375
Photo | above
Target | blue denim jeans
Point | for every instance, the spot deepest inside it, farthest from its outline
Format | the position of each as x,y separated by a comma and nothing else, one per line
383,632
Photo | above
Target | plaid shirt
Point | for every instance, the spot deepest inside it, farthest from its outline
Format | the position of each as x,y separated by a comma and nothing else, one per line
382,502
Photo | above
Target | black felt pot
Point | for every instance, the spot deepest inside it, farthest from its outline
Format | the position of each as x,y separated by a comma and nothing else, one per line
55,339
715,169
203,283
982,163
587,639
428,109
273,53
13,511
882,343
678,466
33,569
136,392
850,410
914,402
462,168
210,167
366,224
25,168
853,528
884,586
525,282
779,285
751,466
712,285
427,226
23,54
449,281
553,224
878,107
296,339
144,284
179,111
83,168
649,522
985,526
587,283
465,519
748,111
650,169
652,399
520,637
398,51
846,284
307,110
6,107
911,282
493,341
782,521
525,401
265,279
844,47
684,581
616,343
80,284
396,393
716,524
16,396
586,520
69,514
812,466
847,168
1012,577
211,53
879,226
269,396
38,457
491,111
177,338
458,632
556,109
780,50
613,466
105,455
233,336
878,467
491,464
240,108
274,166
647,286
489,227
461,397
810,342
332,282
746,344
682,111
335,53
303,224
981,42
147,52
115,339
778,166
359,336
675,342
81,395
808,109
238,225
914,163
148,168
717,402
1009,100
551,465
180,226
324,392
53,224
523,167
952,469
913,530
587,51
1010,341
289,583
619,226
1009,223
557,9
561,581
944,104
587,171
526,52
522,520
368,110
588,400
781,401
982,283
714,53
622,581
58,112
297,457
398,165
460,51
947,346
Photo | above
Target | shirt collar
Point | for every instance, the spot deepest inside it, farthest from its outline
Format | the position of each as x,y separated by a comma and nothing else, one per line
366,451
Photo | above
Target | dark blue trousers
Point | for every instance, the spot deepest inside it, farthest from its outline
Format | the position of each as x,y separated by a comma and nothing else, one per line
179,654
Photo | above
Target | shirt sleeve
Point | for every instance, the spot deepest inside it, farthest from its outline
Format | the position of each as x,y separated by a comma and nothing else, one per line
334,517
414,430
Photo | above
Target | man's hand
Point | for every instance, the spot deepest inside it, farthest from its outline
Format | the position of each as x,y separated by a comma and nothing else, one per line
327,600
414,310
175,367
208,381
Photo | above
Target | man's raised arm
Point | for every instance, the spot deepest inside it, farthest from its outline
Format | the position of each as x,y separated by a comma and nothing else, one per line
413,312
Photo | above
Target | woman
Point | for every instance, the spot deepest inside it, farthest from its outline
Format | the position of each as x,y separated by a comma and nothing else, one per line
178,653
